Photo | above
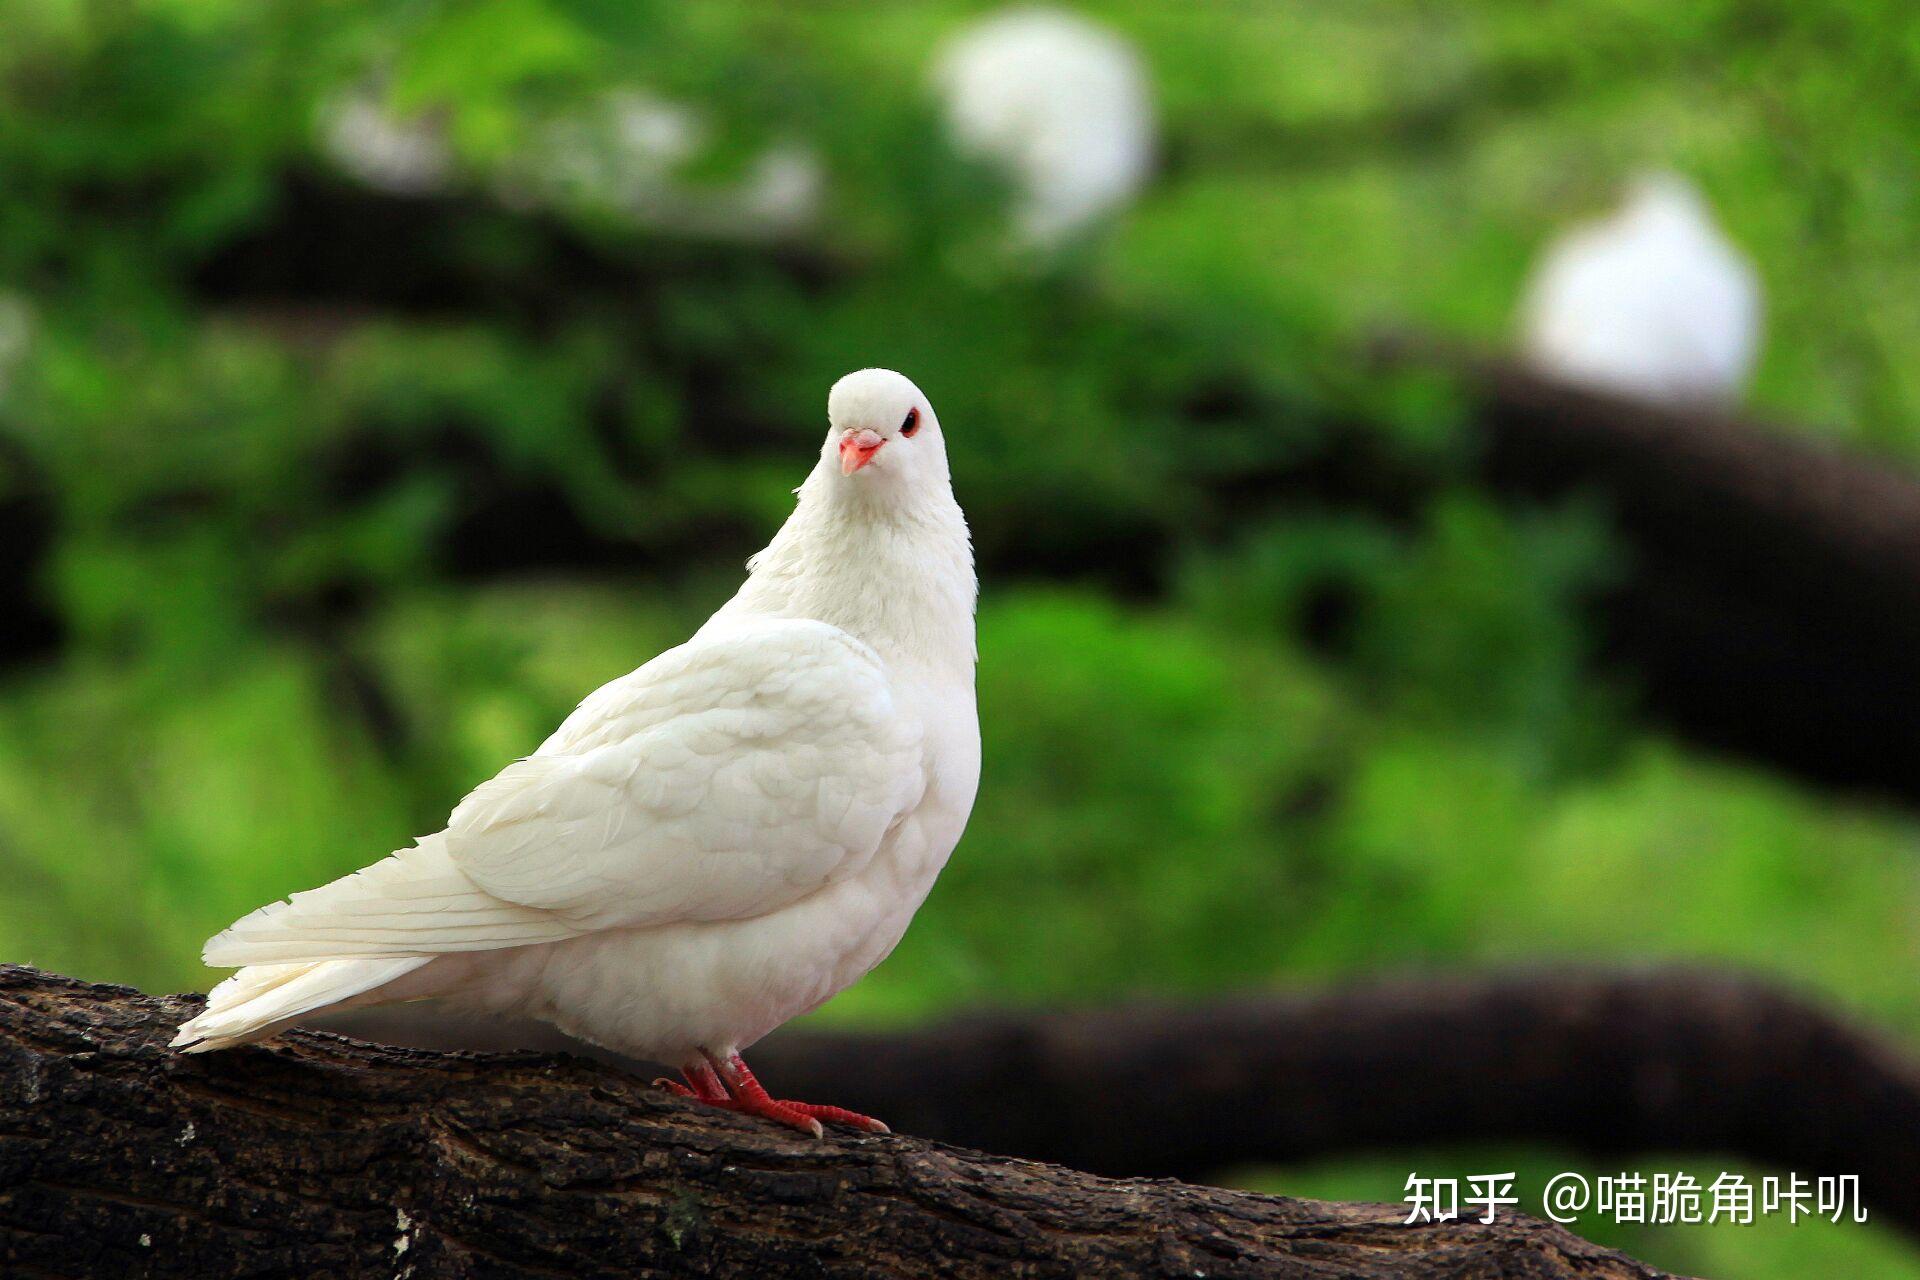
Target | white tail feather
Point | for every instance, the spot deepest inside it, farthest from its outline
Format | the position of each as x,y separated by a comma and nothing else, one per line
262,999
415,903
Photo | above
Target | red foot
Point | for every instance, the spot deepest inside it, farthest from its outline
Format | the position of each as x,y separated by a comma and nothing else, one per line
731,1086
706,1086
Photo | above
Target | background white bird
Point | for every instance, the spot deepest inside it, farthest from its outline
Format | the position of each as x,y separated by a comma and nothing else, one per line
712,844
1062,102
385,151
1652,301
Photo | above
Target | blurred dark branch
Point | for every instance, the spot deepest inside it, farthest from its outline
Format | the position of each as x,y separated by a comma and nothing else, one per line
328,254
1606,1064
1771,600
322,1157
29,628
1770,605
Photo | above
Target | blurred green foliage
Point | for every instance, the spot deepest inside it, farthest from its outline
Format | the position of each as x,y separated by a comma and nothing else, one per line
1299,743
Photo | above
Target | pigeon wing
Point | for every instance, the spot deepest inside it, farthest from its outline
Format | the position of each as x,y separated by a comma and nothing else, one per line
725,779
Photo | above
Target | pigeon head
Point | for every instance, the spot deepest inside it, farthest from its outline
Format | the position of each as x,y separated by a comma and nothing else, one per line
882,432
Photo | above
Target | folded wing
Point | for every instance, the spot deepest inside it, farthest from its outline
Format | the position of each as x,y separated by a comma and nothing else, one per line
725,779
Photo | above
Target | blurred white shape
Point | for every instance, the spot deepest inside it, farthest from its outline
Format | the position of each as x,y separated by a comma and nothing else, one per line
629,156
653,132
1652,301
17,324
626,154
1062,102
404,157
623,152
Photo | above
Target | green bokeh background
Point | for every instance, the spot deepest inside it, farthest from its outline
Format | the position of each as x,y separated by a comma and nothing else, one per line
273,645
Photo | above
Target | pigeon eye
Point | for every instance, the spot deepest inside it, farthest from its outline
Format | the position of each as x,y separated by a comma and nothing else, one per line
912,424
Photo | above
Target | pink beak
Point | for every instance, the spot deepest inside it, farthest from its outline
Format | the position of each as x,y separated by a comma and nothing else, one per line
857,449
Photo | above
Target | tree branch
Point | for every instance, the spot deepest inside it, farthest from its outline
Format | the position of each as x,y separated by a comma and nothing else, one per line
1770,604
1612,1065
1759,560
1608,1064
322,1156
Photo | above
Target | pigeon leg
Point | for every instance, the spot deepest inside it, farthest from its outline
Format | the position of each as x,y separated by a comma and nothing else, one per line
750,1098
702,1085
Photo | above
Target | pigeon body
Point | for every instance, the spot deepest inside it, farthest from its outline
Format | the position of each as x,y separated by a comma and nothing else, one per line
710,845
1653,302
1062,103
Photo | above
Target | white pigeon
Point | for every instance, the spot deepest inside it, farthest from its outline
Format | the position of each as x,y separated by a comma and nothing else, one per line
1652,302
1062,103
713,844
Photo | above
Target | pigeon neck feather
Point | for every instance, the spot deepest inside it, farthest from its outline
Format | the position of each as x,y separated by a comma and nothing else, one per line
890,567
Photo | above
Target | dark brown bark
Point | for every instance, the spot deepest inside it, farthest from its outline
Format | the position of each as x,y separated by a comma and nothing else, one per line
322,1156
1606,1064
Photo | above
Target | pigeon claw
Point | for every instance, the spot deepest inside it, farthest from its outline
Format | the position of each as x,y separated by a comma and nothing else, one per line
728,1084
780,1113
839,1115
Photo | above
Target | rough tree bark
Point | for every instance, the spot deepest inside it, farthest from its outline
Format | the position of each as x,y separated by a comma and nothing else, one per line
323,1156
1608,1064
